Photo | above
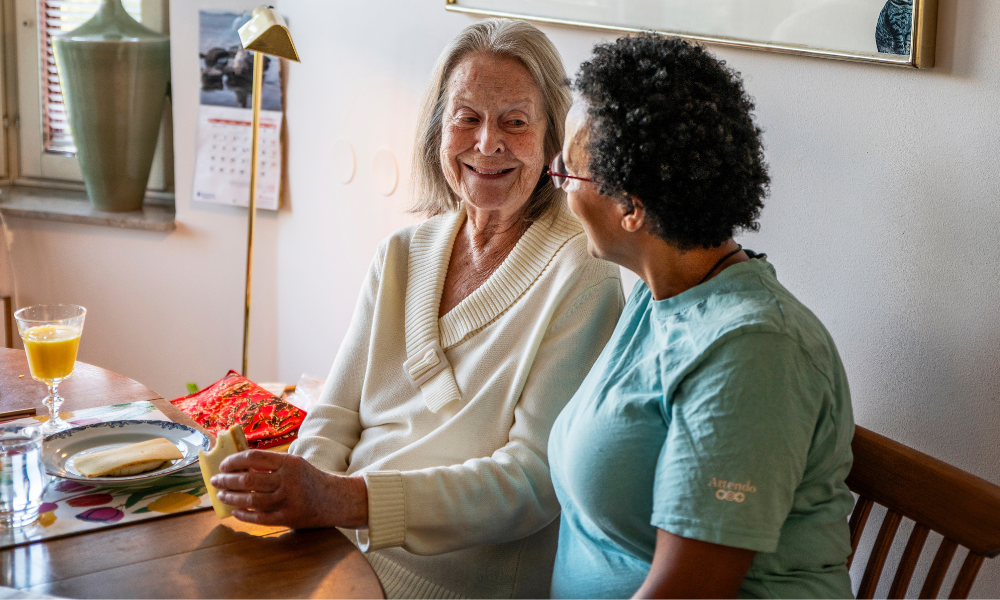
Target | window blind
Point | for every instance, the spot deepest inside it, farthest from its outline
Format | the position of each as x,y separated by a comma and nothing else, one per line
56,17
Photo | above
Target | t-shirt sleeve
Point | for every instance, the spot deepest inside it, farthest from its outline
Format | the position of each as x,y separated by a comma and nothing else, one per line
741,425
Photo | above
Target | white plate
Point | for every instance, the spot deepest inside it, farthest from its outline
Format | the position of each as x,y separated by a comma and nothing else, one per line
60,449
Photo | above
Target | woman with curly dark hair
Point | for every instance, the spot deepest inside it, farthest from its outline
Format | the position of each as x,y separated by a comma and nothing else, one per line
705,453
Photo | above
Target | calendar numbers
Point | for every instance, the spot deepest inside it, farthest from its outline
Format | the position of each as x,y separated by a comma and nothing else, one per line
222,172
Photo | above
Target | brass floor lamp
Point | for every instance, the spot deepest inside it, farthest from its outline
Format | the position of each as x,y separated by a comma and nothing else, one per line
264,33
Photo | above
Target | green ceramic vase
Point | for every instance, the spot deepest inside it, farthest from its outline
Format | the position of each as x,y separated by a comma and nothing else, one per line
114,74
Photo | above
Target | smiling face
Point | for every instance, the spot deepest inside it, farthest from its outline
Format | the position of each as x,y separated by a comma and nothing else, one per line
493,132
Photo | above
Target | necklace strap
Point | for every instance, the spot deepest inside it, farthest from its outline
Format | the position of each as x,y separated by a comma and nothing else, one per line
721,260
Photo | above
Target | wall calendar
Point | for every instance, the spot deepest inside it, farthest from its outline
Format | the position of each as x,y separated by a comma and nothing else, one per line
222,168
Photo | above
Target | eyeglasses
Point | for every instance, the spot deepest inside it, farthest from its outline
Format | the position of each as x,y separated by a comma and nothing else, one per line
557,171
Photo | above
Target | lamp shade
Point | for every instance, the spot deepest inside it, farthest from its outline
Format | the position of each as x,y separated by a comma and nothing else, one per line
266,32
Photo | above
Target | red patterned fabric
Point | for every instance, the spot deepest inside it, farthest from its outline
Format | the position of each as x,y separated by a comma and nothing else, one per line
267,420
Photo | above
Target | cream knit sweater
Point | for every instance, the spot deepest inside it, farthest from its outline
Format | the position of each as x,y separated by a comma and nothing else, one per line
448,418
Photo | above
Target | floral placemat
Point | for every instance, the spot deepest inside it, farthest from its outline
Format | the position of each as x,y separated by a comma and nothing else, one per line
70,507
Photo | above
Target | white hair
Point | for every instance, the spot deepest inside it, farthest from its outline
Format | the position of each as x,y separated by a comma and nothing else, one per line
498,37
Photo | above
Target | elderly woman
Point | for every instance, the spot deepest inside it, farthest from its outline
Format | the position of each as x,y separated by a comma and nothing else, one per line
705,453
472,331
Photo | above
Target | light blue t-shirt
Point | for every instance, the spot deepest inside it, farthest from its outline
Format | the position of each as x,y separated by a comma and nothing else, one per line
721,414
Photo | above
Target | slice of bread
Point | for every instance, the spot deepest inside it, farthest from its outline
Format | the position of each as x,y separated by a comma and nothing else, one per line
229,442
127,460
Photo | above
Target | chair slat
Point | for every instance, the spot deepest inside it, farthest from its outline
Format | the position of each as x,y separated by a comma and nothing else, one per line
956,504
907,564
939,568
862,508
876,562
967,576
936,496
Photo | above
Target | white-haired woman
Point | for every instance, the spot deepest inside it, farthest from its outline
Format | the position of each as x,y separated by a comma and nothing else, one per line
472,331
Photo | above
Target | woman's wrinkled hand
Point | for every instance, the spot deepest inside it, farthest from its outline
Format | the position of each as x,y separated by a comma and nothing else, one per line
267,488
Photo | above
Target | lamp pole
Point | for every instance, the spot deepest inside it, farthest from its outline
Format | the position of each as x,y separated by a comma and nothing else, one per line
264,33
258,84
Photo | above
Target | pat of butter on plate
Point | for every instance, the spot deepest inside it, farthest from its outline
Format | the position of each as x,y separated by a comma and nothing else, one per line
229,442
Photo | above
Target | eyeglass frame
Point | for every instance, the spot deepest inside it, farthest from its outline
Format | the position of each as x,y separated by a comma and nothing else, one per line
553,172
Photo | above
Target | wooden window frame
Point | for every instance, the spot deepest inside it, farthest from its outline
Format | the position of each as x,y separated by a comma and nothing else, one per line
8,118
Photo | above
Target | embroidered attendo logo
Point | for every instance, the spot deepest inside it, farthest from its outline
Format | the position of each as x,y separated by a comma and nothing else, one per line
732,491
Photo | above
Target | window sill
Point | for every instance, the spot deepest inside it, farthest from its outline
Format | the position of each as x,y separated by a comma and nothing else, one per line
71,206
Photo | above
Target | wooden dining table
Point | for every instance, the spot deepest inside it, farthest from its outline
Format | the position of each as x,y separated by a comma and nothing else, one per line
187,555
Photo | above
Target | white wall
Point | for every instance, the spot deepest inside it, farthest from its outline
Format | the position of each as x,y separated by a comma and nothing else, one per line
881,219
882,216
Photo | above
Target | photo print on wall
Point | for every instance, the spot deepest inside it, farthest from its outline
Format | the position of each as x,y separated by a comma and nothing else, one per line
222,169
896,32
892,33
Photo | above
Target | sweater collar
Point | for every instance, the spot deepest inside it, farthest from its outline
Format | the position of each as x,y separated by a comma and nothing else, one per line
430,254
526,261
426,366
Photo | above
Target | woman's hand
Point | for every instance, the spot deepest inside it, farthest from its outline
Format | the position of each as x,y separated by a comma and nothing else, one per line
268,488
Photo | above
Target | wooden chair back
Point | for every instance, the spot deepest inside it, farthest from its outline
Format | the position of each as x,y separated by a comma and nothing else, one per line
937,497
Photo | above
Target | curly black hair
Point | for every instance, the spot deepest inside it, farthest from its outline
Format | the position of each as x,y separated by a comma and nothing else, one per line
671,126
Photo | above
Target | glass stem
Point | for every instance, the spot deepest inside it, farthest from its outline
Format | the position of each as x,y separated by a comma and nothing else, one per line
53,401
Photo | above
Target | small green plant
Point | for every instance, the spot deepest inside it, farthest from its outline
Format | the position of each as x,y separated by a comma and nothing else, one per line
192,387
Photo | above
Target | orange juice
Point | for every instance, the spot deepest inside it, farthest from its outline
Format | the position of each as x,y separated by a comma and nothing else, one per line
51,351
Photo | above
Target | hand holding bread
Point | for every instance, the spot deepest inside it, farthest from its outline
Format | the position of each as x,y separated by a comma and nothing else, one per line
268,488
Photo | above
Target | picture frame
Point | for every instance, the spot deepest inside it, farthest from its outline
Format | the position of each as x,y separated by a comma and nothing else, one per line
890,32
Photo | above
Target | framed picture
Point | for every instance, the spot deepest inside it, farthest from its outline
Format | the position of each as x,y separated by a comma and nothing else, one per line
892,32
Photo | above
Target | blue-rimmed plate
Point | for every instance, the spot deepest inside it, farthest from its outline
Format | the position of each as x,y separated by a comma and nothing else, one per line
60,450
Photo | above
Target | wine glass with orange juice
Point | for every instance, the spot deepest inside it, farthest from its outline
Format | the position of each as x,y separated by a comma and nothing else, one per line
51,336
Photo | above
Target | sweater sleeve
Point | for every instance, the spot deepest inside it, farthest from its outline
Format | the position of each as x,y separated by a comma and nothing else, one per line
333,426
508,495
